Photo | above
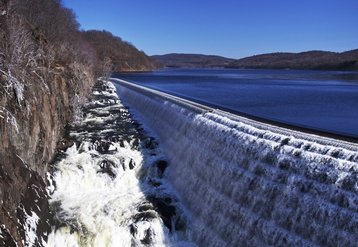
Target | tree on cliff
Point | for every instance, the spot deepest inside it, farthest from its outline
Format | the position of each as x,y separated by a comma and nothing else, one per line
47,68
124,56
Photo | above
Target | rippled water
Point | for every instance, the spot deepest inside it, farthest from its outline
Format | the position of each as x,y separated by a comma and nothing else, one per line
324,100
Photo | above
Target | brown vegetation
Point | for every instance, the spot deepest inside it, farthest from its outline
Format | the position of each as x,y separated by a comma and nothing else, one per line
47,68
123,55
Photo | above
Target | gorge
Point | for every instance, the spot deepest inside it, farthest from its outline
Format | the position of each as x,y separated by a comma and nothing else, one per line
105,162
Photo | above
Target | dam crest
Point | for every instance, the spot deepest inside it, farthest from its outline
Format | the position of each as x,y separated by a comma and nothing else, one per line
247,183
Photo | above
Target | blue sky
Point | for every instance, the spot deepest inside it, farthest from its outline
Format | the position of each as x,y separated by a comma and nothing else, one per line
225,27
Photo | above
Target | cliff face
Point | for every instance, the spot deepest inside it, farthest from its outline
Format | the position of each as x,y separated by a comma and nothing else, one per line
47,68
42,85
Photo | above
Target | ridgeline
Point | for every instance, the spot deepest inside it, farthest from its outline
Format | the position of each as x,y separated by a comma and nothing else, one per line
175,60
314,60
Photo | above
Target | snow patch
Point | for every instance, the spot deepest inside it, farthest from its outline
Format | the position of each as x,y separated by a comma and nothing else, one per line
9,118
30,228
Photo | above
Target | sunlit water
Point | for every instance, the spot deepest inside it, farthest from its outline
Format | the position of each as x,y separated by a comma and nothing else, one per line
324,100
251,184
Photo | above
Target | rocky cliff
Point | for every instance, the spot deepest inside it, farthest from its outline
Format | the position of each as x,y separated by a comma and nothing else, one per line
47,68
41,89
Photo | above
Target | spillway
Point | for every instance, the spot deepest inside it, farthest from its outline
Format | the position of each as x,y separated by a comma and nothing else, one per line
248,183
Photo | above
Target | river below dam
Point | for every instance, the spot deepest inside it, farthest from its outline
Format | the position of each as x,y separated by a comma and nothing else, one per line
144,168
108,187
321,100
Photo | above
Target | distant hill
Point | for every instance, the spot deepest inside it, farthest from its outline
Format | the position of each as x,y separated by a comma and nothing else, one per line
324,60
176,60
304,60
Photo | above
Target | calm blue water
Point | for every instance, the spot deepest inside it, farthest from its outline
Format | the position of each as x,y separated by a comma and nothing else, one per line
323,100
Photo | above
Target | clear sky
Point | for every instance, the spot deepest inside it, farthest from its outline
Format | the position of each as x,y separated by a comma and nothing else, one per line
232,28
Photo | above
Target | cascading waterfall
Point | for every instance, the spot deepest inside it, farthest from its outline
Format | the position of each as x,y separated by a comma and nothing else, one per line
109,187
251,184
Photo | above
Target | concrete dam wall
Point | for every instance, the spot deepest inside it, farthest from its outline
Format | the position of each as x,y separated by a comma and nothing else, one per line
247,183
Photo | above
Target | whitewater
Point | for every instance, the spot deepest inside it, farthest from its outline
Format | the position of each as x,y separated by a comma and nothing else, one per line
109,187
248,183
150,169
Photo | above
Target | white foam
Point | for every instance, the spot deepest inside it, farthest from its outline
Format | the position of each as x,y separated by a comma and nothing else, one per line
99,207
250,184
30,228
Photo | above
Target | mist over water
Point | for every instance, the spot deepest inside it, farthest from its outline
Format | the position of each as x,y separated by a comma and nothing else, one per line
323,100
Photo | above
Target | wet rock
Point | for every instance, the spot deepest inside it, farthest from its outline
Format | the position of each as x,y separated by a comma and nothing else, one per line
94,155
150,143
135,143
131,164
148,237
114,138
285,141
106,166
122,162
35,202
136,124
64,144
103,147
167,199
145,216
155,183
165,210
133,229
60,155
180,224
161,165
5,238
145,207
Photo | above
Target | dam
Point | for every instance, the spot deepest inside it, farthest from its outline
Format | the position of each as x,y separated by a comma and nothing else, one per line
249,183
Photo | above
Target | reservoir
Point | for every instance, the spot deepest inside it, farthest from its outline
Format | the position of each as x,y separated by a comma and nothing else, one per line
319,100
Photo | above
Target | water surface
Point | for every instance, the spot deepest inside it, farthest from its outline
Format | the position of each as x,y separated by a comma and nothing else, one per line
323,100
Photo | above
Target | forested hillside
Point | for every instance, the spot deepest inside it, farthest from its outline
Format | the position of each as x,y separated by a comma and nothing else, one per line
304,60
47,68
322,60
122,55
176,60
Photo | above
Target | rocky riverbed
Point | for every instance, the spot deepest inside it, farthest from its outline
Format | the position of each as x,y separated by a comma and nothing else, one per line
108,184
